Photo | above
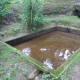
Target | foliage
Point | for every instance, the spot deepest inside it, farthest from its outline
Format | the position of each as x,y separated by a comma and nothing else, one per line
8,77
32,16
4,8
45,76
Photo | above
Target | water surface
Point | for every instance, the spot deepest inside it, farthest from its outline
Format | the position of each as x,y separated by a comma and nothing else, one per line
52,49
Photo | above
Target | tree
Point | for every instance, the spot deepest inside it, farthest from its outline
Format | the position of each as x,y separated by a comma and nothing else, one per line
32,15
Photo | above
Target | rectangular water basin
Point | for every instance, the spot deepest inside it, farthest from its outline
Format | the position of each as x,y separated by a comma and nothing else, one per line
53,50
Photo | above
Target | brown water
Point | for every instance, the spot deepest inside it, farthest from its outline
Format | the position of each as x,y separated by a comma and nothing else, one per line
52,49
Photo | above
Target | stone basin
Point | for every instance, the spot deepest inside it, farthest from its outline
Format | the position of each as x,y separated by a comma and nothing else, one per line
52,50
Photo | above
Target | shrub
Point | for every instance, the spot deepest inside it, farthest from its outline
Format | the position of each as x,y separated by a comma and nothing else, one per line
32,13
4,8
45,76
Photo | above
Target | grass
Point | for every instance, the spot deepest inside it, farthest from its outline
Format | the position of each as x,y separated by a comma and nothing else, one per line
69,19
12,64
13,29
72,21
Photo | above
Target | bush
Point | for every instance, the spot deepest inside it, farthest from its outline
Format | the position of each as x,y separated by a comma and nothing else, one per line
4,8
32,13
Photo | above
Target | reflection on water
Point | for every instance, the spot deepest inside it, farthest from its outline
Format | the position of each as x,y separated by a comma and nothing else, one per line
26,51
52,49
48,63
63,54
43,49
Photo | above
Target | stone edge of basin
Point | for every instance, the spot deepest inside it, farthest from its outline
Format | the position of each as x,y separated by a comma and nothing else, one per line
25,37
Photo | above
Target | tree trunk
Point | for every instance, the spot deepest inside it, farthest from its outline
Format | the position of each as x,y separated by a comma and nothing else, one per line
31,12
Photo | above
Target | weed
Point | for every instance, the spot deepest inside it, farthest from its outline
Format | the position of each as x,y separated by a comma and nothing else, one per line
8,77
13,71
45,76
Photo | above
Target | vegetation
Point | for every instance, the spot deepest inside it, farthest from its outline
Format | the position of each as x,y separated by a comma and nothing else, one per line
67,21
32,13
4,9
12,64
45,76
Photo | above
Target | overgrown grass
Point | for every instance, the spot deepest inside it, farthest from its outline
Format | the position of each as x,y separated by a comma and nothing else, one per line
68,21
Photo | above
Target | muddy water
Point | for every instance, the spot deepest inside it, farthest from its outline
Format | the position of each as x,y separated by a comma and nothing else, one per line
52,49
